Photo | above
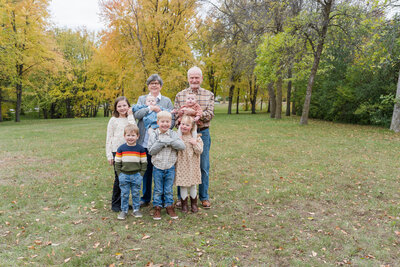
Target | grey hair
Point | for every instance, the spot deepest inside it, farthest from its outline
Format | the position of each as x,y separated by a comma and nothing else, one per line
154,77
195,69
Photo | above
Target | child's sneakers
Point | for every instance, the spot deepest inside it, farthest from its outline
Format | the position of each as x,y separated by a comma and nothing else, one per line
122,215
171,212
157,213
137,214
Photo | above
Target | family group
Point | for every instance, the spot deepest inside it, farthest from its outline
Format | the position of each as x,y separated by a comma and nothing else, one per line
142,146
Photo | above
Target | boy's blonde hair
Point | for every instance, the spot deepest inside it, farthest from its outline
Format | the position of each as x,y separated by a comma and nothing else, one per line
164,115
190,120
131,128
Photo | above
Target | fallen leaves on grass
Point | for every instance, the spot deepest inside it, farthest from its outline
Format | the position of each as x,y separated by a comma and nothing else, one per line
77,222
135,249
313,254
96,245
150,264
67,260
145,237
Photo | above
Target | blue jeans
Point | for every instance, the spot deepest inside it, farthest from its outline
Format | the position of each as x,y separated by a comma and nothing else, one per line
147,180
127,183
205,164
163,182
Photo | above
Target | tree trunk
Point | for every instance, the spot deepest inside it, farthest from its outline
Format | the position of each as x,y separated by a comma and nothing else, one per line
45,114
253,100
19,101
294,108
272,100
52,111
317,56
69,108
261,102
211,79
289,92
395,125
18,91
231,92
105,110
1,100
278,112
237,100
230,98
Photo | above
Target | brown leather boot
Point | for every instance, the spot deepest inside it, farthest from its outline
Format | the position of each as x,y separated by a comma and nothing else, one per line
185,208
193,204
157,213
171,212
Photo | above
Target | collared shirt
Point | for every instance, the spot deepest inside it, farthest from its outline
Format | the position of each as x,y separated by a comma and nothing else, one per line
158,98
205,99
163,148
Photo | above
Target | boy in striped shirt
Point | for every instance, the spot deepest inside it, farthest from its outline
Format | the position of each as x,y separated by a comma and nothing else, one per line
130,165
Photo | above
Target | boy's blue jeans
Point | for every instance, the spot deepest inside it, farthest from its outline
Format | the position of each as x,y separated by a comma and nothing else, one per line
127,183
163,182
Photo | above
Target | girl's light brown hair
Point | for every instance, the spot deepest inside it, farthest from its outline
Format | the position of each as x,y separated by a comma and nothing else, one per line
121,98
190,120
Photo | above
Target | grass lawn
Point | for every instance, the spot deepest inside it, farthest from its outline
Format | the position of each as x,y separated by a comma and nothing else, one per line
282,195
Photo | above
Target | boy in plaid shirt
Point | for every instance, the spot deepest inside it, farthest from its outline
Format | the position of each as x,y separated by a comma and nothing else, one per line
163,146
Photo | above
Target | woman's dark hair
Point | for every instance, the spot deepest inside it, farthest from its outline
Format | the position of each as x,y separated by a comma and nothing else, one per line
153,78
120,98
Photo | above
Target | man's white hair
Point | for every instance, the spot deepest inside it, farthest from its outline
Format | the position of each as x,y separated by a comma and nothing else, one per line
195,70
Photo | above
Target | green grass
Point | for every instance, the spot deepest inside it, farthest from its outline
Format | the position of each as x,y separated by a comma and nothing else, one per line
282,194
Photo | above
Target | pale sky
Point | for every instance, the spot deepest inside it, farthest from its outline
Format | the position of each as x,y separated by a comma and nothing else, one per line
76,13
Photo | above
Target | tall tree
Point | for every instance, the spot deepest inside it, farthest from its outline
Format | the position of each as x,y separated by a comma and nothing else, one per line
150,37
26,23
321,29
395,125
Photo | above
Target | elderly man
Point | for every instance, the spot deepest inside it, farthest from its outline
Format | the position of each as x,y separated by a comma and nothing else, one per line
205,99
154,84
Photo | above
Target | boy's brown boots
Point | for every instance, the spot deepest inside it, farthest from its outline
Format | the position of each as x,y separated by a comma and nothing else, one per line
171,212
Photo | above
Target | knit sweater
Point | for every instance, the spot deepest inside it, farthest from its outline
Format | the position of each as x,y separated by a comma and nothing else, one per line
130,159
115,133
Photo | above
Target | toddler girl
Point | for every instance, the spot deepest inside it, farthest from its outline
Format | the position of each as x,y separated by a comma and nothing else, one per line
188,173
122,115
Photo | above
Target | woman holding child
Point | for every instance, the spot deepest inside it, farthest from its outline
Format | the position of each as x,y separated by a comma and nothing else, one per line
154,85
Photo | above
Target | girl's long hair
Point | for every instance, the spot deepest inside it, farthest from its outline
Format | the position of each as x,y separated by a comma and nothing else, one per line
120,98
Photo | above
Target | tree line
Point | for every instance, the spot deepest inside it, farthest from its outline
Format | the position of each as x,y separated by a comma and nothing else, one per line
327,59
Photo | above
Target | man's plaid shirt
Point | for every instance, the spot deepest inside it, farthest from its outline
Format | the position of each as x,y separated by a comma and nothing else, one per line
205,99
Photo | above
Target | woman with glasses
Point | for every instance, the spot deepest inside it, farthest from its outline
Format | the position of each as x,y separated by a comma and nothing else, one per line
154,85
